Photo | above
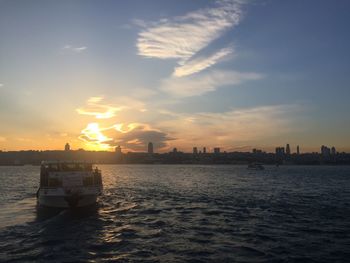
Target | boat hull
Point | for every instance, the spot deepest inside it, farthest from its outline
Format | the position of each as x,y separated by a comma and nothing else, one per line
58,199
62,202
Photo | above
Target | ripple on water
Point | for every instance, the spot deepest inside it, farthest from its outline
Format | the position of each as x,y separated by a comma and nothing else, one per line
186,214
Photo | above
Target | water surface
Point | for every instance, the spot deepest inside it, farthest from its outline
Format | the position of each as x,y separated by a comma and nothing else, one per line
192,213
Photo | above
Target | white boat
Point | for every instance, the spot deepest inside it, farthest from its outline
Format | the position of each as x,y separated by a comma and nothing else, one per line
68,184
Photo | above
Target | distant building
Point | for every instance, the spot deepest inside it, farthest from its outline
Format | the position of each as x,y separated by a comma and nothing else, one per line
204,150
67,147
256,151
280,154
216,150
298,150
333,151
325,152
150,148
118,150
287,149
195,150
118,153
175,150
280,151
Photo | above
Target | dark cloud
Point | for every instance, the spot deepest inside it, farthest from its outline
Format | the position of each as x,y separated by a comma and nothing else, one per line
134,138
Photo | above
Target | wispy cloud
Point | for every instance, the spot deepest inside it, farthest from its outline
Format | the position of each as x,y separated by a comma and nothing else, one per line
184,36
75,49
195,85
95,107
232,128
201,63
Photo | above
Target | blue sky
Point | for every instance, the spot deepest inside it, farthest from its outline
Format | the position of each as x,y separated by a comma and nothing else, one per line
234,74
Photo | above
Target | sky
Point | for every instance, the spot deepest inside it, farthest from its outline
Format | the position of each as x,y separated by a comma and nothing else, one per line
235,74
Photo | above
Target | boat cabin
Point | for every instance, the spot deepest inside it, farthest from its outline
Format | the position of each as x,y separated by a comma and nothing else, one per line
55,174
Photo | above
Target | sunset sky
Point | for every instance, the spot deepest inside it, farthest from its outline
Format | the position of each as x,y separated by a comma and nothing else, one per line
233,74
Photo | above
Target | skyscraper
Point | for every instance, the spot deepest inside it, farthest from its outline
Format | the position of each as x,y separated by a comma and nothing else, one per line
287,149
195,150
204,150
150,148
298,150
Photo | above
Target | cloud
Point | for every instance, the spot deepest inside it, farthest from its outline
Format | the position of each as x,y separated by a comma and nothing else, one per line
96,108
234,128
201,63
2,139
131,137
203,83
75,49
1,85
184,36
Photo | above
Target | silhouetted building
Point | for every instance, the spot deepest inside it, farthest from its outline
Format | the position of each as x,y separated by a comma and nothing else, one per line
150,148
216,150
280,154
118,154
298,150
67,147
280,151
118,150
333,151
287,149
204,150
195,150
325,152
175,150
257,151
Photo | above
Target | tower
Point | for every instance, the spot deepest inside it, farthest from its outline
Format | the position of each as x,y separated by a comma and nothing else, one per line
118,150
298,150
195,150
287,149
67,147
150,148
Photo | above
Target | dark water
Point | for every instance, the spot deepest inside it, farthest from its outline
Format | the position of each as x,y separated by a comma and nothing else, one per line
184,214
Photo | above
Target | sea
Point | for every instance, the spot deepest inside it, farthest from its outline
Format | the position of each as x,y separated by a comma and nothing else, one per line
184,213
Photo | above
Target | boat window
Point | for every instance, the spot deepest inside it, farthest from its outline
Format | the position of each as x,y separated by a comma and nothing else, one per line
88,181
69,167
88,167
53,167
80,167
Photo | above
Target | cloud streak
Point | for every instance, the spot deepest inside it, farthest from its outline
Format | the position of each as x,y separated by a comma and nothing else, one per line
200,84
201,63
183,37
75,49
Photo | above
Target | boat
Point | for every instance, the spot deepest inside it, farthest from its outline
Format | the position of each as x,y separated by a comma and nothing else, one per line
255,166
68,184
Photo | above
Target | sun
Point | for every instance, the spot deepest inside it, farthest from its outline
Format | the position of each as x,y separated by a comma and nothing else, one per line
94,138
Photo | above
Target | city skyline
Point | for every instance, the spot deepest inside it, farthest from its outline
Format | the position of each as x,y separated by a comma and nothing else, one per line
287,150
229,74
